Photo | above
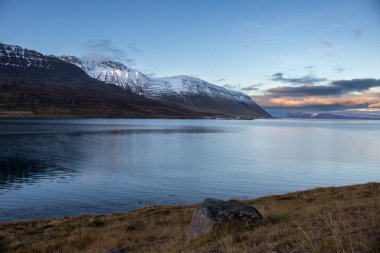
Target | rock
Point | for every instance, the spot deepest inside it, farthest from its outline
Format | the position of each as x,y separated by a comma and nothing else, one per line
118,250
214,211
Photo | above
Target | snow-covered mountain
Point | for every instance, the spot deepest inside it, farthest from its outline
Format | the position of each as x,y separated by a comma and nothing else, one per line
37,85
17,62
121,75
15,56
67,85
180,90
108,71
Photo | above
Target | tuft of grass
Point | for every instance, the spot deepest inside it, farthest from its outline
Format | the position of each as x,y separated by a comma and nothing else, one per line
339,220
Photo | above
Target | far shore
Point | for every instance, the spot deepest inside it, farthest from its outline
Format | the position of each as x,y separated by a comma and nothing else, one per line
55,116
334,219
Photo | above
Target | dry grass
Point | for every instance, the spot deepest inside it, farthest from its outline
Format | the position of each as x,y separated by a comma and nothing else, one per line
344,219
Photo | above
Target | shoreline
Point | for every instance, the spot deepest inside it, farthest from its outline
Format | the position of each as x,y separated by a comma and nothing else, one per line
200,115
158,205
322,218
50,117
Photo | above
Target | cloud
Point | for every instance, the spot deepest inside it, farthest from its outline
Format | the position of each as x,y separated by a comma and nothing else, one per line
338,87
337,94
309,67
327,43
357,33
133,49
375,104
368,99
356,84
104,50
305,90
230,86
309,79
339,69
251,87
238,87
220,80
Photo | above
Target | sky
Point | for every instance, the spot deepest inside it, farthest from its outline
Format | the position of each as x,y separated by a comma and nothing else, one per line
288,55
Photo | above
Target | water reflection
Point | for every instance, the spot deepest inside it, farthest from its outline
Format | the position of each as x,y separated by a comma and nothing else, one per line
69,132
67,167
16,172
34,152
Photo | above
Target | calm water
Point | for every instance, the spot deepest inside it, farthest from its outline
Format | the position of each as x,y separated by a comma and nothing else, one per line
66,167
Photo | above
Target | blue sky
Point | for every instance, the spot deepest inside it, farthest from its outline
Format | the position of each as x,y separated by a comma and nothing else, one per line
241,44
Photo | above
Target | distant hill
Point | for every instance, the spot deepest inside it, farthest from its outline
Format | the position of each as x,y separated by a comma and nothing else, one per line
368,114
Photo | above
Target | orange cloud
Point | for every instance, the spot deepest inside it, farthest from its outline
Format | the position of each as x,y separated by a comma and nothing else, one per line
374,105
370,99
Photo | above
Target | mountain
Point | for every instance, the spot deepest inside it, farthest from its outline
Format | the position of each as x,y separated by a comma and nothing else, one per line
35,84
317,115
369,113
181,91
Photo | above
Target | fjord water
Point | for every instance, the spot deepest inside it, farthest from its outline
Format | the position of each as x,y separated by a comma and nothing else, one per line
84,166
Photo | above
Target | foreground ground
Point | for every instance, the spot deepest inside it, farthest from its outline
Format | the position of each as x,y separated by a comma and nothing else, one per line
344,219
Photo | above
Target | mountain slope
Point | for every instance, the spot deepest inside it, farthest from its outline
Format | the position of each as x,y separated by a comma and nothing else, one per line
199,95
181,91
37,85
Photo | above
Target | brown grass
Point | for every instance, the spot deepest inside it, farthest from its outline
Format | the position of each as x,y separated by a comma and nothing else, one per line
344,219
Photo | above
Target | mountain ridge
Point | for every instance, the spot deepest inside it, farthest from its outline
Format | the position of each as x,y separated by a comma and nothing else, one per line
181,96
181,90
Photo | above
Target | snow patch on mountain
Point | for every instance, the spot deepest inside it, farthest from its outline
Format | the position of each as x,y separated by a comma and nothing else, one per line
186,84
128,78
15,56
182,87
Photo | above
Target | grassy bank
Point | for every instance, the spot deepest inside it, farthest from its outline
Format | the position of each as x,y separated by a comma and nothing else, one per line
344,219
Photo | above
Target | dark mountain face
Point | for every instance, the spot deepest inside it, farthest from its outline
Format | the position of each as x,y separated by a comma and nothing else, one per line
181,91
20,63
219,106
35,85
